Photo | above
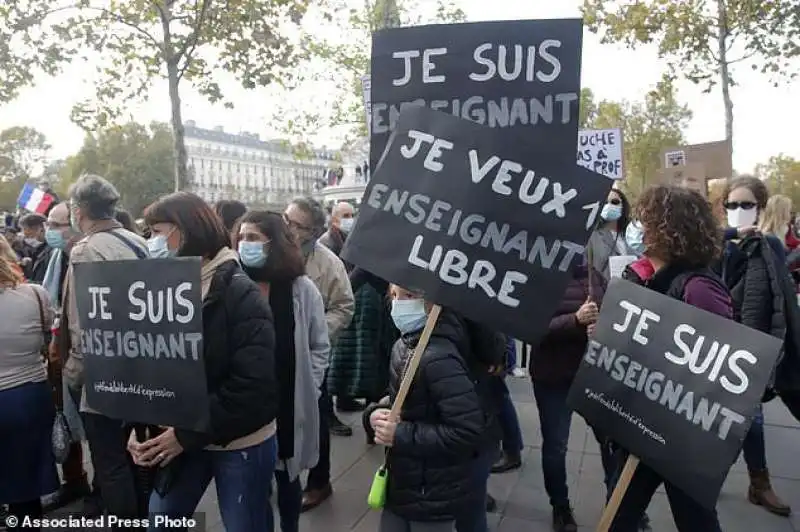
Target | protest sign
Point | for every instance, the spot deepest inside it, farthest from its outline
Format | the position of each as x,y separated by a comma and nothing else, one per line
142,340
673,384
366,91
482,224
716,158
600,150
511,75
690,175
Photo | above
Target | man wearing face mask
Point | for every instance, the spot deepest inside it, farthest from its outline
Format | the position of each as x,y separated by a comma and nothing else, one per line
93,202
306,220
38,252
341,223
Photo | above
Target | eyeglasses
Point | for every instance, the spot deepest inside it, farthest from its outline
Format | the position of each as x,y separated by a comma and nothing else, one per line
615,201
744,205
294,225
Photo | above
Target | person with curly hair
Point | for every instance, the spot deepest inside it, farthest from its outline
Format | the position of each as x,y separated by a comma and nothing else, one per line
681,241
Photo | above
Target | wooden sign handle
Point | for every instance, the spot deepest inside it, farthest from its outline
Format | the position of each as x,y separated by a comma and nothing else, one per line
590,270
612,506
408,378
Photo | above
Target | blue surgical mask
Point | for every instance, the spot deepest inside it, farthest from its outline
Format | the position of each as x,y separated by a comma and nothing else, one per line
159,249
409,315
55,239
611,212
253,254
634,236
346,225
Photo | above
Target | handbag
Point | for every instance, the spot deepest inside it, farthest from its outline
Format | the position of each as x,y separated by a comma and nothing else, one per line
61,438
377,492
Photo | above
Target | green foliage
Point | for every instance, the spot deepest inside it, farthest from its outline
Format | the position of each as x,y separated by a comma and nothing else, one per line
137,159
702,40
782,175
648,127
143,41
341,50
22,150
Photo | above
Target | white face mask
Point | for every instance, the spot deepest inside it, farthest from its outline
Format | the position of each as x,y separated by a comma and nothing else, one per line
346,224
739,217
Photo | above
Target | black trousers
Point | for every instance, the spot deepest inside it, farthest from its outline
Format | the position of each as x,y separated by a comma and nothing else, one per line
320,475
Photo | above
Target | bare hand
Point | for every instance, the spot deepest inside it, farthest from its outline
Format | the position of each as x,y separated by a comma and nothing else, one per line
384,432
379,414
587,313
744,232
160,450
590,329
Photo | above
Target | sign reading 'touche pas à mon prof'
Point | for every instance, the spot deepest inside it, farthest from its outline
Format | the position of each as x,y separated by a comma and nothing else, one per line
510,75
673,384
480,223
142,340
600,150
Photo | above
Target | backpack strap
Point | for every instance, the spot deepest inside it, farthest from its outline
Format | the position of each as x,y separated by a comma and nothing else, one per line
140,253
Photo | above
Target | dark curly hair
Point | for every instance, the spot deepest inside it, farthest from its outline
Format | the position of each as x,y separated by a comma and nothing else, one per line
679,226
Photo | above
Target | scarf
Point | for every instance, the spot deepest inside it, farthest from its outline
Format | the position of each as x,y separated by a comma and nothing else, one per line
281,300
52,277
209,267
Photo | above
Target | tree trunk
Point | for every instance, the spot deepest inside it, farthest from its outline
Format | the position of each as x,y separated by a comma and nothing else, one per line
181,158
173,80
724,68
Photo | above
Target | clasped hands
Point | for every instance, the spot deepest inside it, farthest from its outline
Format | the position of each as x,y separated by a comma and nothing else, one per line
382,425
157,451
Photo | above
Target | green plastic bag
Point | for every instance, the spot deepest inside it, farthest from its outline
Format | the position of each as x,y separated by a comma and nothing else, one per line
377,492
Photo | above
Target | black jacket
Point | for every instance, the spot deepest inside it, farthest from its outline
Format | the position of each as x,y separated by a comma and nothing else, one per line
441,429
40,258
238,351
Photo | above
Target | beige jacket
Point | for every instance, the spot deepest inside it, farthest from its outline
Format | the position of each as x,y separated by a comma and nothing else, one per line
329,275
97,245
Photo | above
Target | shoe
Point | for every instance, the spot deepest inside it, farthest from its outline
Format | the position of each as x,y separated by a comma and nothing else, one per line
66,494
507,462
760,493
337,428
313,498
563,520
644,524
348,404
491,504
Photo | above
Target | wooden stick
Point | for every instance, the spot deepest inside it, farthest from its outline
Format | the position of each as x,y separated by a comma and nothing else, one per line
408,378
612,506
590,270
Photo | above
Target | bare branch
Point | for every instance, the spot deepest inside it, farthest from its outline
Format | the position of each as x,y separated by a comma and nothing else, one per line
745,57
190,45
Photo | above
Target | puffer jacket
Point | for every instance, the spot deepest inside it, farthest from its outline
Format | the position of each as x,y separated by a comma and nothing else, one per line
441,429
556,359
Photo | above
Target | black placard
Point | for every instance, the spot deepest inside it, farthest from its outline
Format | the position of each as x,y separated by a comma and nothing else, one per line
142,332
675,385
535,86
461,194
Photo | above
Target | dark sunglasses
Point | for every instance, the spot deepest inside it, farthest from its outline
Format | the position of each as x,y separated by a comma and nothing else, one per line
733,205
615,201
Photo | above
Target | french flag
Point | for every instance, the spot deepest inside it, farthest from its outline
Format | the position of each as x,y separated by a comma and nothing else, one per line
34,199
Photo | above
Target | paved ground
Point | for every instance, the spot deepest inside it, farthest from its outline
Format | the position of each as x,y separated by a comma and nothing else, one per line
522,500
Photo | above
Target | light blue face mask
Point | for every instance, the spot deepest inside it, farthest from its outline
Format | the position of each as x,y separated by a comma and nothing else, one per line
253,254
55,239
159,249
611,213
634,237
409,315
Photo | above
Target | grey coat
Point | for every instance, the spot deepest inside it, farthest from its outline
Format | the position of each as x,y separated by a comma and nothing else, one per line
312,350
604,244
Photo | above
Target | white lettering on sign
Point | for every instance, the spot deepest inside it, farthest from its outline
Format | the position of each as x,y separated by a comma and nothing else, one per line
601,150
428,66
716,355
524,60
132,344
431,161
100,303
644,314
660,389
165,305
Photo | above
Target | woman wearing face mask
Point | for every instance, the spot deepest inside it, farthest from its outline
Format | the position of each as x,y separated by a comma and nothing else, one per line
239,449
272,258
753,268
608,240
432,446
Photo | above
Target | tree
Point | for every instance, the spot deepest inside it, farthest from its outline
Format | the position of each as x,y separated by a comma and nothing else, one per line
782,175
703,40
22,151
141,41
343,57
648,127
138,160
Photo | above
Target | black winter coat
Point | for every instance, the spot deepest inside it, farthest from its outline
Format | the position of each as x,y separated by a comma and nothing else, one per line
441,429
239,353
